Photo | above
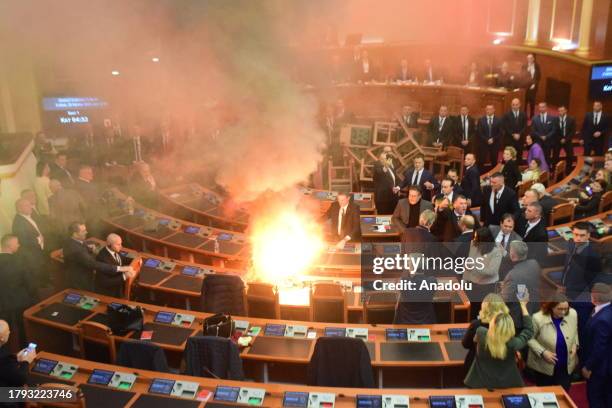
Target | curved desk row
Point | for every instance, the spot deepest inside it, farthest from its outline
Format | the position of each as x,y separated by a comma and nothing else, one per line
180,283
53,323
146,389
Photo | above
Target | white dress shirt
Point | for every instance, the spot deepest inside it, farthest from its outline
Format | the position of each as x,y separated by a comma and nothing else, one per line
493,196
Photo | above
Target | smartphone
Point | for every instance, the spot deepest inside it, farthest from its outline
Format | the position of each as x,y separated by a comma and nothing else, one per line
589,190
521,291
31,348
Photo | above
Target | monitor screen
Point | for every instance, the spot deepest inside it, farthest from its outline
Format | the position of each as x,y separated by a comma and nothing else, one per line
116,306
72,298
274,330
164,317
44,366
100,377
441,401
600,86
295,399
152,263
190,229
368,220
369,401
190,270
224,237
396,334
456,334
553,234
230,394
335,332
516,401
161,386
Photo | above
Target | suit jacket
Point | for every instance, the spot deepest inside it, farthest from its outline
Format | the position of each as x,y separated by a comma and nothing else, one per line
12,372
588,127
540,129
443,135
461,245
351,222
63,175
526,273
513,125
412,120
512,174
597,343
16,283
507,203
470,184
445,227
570,129
459,132
27,234
537,75
79,264
65,207
425,177
384,182
495,229
401,215
580,270
109,281
483,133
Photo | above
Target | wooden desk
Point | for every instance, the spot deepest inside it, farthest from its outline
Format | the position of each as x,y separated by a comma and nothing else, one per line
369,223
176,287
570,186
345,397
158,233
439,359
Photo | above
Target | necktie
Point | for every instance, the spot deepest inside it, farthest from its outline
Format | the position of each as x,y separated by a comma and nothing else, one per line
416,178
340,219
596,118
117,258
515,115
440,124
563,126
505,241
490,125
465,128
542,118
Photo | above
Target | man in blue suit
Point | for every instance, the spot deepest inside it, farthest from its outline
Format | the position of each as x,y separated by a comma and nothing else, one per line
421,177
596,345
595,128
543,130
489,132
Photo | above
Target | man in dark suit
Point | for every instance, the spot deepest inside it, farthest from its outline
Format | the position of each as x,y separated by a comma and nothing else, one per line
461,244
418,239
365,70
440,129
489,132
565,129
532,74
532,229
595,129
498,200
465,130
470,183
31,240
111,284
17,290
453,174
345,220
409,117
421,177
515,128
403,72
13,368
543,130
386,185
79,261
596,346
60,172
582,263
408,210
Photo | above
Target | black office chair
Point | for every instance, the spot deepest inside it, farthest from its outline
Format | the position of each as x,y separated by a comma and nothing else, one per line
213,357
223,294
340,362
142,355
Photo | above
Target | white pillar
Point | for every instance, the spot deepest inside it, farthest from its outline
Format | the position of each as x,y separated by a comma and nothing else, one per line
584,36
533,22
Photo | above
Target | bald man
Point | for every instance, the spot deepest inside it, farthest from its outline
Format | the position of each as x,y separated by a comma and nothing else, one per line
107,282
13,368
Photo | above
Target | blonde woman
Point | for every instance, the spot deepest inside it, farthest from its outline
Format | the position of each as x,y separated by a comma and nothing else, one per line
510,170
494,365
492,304
552,356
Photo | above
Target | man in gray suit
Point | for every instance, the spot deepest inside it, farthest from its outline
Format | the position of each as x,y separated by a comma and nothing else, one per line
408,210
504,232
526,273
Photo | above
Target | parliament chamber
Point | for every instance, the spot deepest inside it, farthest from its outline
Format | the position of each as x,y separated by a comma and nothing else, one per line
306,204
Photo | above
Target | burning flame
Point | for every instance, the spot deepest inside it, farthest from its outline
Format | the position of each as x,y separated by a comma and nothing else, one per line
284,245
